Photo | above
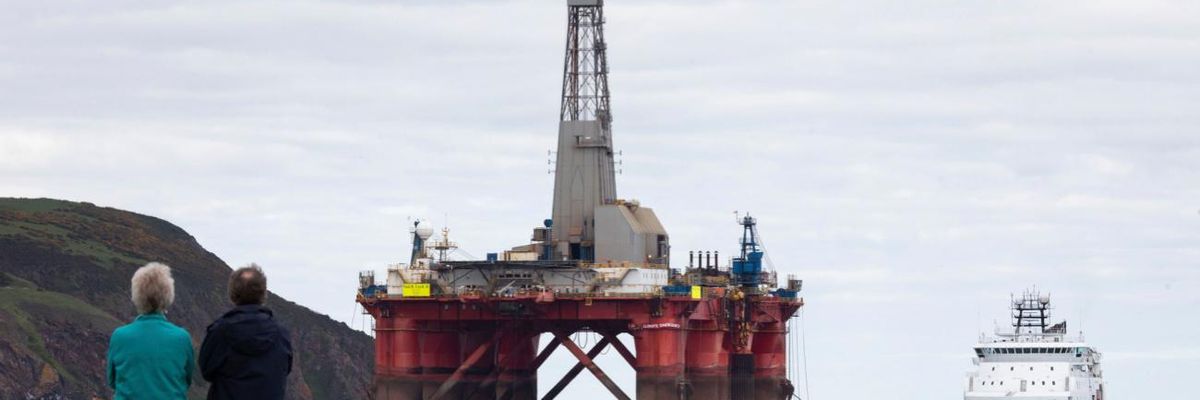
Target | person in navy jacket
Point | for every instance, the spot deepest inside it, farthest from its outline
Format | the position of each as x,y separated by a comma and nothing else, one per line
246,354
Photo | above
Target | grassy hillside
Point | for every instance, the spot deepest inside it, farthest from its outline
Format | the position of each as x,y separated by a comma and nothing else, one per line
64,286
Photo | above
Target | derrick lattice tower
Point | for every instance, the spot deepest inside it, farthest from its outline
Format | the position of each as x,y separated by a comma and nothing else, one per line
585,67
585,190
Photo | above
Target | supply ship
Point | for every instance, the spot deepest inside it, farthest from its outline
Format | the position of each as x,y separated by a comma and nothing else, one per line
1036,360
473,329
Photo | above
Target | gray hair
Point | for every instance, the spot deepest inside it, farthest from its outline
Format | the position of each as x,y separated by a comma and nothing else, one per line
153,289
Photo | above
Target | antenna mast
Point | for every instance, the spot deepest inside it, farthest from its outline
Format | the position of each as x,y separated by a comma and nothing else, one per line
1031,313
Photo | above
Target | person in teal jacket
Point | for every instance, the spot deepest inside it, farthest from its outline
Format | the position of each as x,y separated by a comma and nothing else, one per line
151,358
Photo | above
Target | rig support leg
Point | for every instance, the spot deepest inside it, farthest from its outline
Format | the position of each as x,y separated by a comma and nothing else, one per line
515,376
458,373
742,371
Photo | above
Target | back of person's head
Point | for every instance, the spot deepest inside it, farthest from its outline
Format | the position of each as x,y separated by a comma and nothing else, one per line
153,288
248,285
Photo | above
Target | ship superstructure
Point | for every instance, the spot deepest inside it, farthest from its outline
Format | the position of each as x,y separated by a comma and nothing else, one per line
473,329
1036,360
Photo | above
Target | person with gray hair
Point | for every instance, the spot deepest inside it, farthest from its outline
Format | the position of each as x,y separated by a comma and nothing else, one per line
151,358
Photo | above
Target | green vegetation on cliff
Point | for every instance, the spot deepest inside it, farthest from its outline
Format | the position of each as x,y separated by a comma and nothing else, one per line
64,286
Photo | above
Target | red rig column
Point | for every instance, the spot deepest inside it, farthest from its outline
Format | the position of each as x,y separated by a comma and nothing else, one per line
470,339
660,353
440,357
707,364
515,354
707,356
770,362
398,349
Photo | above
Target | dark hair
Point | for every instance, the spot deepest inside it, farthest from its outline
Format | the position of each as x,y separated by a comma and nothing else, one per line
248,285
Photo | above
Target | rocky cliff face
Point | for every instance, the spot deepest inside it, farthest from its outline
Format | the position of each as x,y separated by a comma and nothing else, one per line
64,286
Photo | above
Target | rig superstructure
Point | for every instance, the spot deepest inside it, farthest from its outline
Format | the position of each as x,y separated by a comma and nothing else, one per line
471,329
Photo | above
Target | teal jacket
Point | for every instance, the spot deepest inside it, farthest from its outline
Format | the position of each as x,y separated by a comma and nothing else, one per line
150,358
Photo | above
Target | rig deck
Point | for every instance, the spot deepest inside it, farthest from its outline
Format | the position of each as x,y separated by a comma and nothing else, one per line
467,347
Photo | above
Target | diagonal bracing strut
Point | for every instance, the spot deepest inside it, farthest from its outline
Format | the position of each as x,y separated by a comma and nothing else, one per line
462,369
625,353
541,357
574,371
585,360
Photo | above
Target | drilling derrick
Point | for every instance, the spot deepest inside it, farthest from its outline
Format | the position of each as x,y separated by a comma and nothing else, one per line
586,213
583,176
585,66
480,329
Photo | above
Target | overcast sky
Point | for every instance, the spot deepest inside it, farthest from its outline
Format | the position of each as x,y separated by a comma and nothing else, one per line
914,162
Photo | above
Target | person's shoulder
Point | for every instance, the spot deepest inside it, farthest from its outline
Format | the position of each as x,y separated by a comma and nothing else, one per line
123,332
224,319
272,320
178,331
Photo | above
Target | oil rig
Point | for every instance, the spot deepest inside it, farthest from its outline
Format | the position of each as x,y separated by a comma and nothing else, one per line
473,329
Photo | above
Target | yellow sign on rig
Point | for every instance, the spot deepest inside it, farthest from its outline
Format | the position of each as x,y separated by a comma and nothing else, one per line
697,292
415,290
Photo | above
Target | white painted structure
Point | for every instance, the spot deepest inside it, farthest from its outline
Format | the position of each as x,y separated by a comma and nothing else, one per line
1035,361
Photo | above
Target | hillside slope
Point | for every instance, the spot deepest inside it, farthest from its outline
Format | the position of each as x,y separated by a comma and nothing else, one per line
64,286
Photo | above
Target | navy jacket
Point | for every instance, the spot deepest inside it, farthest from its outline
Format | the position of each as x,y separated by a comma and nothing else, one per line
246,355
